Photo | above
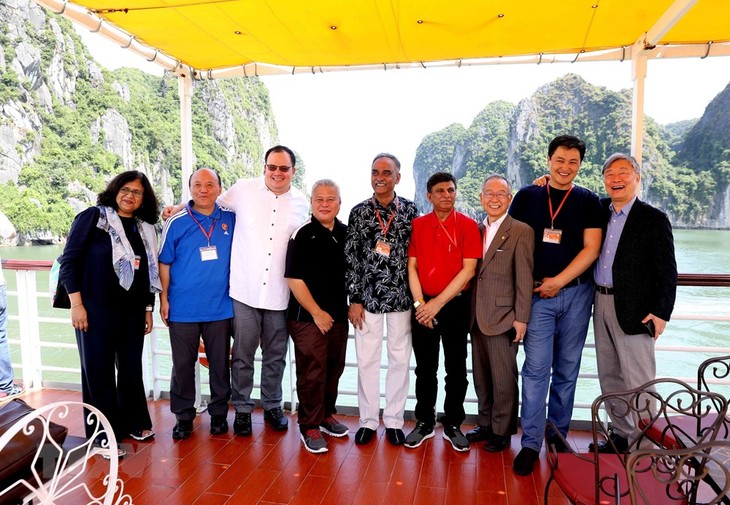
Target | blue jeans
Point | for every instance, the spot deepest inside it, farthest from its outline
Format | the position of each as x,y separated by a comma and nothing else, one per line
554,343
6,368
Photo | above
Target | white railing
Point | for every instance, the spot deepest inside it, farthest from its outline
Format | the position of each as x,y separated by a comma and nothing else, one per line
34,315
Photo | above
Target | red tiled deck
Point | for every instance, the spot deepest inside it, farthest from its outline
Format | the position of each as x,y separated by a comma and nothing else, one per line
272,467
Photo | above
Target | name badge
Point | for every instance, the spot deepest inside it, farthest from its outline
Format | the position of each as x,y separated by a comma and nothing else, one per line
382,248
137,260
209,253
552,236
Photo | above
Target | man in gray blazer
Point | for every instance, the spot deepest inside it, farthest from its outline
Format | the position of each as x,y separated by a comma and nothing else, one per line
636,285
501,304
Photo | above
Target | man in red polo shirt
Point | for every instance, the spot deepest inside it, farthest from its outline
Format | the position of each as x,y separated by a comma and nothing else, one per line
442,258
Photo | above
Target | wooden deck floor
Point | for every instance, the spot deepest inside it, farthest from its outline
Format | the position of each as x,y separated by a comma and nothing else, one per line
272,467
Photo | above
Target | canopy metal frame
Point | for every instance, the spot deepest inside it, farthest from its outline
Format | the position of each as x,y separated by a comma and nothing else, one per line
647,47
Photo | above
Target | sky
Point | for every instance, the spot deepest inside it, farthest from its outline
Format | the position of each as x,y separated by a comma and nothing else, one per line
337,122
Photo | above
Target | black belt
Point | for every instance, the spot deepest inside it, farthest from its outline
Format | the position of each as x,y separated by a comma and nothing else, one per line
575,282
604,290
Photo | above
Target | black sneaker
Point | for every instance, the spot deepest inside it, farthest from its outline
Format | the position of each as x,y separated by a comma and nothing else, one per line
334,428
395,436
454,435
364,436
276,419
525,461
182,430
313,441
242,424
218,425
617,444
421,432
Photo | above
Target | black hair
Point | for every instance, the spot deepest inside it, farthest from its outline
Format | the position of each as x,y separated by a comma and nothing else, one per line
568,142
281,149
438,178
148,211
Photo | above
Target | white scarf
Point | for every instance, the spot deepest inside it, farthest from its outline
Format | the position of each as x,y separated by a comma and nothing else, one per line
123,256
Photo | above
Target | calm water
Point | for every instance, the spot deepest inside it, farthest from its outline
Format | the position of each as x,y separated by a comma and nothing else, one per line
698,251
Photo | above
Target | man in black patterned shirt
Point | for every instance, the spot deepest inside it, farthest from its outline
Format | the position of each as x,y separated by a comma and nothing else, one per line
376,251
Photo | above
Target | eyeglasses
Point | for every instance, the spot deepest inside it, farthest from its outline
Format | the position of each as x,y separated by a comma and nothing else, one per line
280,168
134,192
621,172
491,194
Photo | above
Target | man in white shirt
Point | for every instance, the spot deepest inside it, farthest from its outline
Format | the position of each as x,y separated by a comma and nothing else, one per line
7,387
268,210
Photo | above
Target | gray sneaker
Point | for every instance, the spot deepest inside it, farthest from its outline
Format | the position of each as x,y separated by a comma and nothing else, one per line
421,432
334,428
15,390
313,441
454,435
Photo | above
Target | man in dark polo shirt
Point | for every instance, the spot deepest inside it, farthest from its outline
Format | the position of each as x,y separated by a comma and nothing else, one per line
442,257
566,220
317,315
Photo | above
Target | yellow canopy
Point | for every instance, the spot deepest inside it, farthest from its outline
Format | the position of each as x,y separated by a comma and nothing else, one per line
276,36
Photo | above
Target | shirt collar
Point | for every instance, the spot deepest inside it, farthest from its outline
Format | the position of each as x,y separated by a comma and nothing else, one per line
625,209
215,214
497,223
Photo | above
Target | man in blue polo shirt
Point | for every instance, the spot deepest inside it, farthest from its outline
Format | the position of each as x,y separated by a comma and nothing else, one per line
195,255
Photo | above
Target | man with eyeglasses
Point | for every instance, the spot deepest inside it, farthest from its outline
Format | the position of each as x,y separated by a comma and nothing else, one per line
268,210
566,222
500,309
636,284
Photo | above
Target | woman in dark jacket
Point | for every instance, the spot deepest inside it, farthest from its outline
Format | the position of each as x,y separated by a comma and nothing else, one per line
109,268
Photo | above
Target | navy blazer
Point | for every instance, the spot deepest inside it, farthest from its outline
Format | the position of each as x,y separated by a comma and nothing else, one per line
644,269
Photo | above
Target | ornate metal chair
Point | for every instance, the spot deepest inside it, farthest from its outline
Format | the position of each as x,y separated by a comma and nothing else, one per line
54,464
596,477
717,367
681,473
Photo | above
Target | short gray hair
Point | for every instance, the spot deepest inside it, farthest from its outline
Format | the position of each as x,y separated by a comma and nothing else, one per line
328,183
621,156
391,157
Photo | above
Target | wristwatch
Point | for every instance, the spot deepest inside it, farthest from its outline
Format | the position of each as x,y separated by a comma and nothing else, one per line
149,308
417,303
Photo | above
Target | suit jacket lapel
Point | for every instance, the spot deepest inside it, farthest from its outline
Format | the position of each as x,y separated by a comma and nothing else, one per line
499,239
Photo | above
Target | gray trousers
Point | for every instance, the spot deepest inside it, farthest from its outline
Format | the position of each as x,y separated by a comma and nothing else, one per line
624,361
253,327
494,366
184,343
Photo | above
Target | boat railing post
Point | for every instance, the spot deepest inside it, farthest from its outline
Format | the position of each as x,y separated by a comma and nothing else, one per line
28,323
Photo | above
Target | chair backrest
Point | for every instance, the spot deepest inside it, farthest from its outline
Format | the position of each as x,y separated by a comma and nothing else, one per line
656,408
717,367
680,472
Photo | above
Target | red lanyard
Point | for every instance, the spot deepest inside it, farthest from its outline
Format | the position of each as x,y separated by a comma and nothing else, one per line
550,205
209,233
452,240
385,227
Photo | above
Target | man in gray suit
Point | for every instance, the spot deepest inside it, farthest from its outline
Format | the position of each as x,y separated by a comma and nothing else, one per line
636,286
500,310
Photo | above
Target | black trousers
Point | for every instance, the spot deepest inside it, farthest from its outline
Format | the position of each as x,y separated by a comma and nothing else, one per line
320,362
115,339
450,332
184,343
